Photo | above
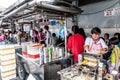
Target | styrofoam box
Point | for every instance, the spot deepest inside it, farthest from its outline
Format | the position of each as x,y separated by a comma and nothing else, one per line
6,57
24,46
7,47
7,68
33,50
7,51
8,73
8,62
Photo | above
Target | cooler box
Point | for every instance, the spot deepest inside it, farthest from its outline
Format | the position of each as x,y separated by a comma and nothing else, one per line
33,51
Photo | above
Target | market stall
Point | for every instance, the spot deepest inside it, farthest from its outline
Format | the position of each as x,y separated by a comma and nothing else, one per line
34,59
40,62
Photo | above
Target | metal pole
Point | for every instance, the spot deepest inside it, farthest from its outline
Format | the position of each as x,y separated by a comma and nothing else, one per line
65,31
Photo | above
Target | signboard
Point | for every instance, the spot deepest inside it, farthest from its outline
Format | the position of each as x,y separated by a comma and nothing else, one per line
44,23
112,12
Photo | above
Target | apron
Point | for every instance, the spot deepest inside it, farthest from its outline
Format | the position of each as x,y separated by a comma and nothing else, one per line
95,48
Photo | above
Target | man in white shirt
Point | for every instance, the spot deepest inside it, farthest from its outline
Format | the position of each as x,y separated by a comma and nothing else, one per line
48,36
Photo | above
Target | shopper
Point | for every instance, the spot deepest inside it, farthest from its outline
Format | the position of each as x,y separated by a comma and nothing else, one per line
60,42
75,43
54,39
94,44
15,36
106,38
41,37
19,34
35,33
31,35
2,38
117,35
115,55
48,36
82,32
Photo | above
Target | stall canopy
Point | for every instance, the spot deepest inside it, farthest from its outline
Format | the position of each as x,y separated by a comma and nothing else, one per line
26,8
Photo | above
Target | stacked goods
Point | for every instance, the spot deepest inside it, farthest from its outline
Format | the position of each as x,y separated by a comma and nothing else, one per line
41,56
8,62
50,54
46,56
54,53
60,52
24,47
33,54
76,72
92,62
57,52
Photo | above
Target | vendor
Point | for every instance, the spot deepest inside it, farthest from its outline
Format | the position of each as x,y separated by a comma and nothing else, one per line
75,43
94,44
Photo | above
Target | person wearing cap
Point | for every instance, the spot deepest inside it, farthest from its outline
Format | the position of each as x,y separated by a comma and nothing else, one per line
94,44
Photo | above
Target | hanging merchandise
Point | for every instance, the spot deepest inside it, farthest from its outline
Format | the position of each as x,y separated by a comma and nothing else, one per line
61,32
53,23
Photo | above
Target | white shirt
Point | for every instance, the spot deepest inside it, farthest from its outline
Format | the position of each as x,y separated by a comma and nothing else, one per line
48,38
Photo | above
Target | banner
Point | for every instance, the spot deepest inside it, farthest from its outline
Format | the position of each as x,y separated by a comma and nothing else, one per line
112,12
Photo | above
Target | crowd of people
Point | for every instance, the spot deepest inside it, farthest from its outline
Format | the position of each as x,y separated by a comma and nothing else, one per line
77,42
108,48
10,37
42,36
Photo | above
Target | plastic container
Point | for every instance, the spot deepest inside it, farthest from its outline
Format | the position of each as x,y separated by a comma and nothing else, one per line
33,51
80,59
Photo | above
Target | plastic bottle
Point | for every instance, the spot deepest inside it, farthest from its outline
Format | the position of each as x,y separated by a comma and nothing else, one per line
50,54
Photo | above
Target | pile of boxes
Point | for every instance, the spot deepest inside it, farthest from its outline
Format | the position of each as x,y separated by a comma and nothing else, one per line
8,62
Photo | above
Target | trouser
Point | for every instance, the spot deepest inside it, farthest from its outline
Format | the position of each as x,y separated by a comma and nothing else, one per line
42,42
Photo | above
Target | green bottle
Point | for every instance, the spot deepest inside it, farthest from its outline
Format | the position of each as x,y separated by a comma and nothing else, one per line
50,54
